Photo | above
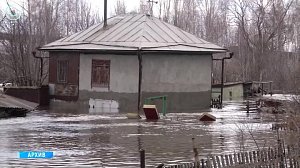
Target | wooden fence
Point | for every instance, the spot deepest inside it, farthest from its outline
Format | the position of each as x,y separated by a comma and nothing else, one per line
251,106
267,158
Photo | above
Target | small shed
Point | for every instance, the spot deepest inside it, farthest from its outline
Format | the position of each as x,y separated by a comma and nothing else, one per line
134,57
239,90
231,91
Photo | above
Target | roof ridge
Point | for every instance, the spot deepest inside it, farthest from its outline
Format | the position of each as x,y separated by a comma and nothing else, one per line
143,31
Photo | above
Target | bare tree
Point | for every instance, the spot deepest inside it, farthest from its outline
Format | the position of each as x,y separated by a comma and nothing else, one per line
144,7
120,8
41,22
262,26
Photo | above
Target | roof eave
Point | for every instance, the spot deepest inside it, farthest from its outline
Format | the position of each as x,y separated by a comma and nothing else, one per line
125,52
208,52
134,51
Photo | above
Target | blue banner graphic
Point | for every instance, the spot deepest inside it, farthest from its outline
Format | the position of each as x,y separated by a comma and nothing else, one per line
35,155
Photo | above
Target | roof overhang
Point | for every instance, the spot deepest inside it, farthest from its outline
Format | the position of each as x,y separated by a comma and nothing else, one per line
120,47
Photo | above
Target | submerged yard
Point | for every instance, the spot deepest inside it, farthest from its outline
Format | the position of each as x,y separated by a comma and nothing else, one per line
112,140
122,54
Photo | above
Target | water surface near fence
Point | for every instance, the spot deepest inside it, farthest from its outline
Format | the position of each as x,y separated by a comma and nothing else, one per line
112,140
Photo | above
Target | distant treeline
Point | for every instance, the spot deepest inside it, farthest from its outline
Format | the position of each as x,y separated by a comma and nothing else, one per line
263,31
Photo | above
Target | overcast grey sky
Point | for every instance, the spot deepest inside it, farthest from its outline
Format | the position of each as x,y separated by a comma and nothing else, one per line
98,5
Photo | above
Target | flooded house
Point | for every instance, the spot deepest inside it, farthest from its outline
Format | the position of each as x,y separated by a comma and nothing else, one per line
129,58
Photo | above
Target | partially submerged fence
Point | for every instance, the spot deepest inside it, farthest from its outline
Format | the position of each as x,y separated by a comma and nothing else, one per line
266,158
251,106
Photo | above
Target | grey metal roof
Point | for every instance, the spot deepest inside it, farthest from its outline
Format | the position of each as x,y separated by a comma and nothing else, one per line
132,33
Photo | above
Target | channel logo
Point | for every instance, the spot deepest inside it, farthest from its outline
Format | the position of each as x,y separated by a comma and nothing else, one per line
10,10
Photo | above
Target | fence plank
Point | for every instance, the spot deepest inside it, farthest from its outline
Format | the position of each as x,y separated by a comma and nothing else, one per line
264,155
254,157
246,158
269,154
227,160
250,157
275,163
239,158
231,160
214,162
291,162
208,162
222,160
235,159
202,163
272,154
276,153
296,161
265,158
243,158
218,161
258,156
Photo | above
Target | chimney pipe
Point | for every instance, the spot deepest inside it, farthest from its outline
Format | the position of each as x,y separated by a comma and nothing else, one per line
105,13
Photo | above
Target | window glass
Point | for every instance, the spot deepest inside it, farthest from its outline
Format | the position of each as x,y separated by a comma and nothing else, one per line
100,73
62,71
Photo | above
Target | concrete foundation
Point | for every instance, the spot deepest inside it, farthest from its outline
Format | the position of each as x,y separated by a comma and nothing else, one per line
60,106
182,102
176,102
128,102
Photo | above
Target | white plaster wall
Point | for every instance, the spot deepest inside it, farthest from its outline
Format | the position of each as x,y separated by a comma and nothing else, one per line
237,92
51,89
176,73
124,73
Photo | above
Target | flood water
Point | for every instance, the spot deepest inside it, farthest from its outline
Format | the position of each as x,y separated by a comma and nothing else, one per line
112,140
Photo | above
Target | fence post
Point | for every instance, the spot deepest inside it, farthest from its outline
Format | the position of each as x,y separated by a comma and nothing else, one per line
248,106
196,155
142,158
164,105
202,163
281,153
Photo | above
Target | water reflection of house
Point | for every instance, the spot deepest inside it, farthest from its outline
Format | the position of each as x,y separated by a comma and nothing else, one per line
134,57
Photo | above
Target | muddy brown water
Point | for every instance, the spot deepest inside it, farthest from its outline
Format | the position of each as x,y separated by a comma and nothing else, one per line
111,140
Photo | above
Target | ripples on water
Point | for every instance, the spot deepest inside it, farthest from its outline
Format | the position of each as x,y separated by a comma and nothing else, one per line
111,140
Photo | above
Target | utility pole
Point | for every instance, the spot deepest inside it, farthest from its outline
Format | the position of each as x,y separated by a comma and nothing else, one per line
151,2
105,14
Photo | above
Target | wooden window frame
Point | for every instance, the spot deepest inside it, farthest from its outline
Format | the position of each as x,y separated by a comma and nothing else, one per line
104,68
59,64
